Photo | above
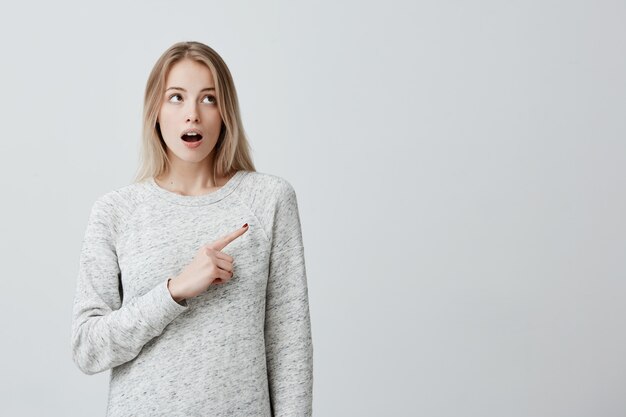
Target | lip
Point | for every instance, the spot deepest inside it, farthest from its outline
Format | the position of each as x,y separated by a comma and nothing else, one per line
198,131
192,145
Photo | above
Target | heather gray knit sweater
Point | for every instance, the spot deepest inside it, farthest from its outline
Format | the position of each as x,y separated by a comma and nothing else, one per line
242,348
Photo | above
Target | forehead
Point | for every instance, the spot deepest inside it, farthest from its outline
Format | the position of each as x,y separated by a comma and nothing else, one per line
189,74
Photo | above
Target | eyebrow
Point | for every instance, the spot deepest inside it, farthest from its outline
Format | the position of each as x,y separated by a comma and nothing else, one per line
182,89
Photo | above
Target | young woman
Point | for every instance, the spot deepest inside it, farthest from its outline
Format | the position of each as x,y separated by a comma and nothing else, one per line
195,314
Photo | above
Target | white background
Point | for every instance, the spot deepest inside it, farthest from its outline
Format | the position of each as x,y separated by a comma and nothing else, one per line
460,170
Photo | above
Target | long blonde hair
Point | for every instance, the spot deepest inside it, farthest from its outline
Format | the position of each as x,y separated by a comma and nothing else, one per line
232,150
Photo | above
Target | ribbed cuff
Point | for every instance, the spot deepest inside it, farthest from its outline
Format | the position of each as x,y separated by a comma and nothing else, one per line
159,308
183,303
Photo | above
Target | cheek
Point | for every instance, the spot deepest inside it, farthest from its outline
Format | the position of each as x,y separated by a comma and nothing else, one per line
168,129
214,116
167,120
164,113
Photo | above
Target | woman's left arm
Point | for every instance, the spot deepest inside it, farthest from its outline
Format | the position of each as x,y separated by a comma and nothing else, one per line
288,342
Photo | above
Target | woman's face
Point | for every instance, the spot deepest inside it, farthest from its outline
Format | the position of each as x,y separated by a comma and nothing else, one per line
189,103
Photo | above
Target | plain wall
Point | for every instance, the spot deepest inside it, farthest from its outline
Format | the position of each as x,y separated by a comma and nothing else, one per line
460,170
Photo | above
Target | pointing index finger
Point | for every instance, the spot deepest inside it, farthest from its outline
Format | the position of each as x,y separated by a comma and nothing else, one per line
225,240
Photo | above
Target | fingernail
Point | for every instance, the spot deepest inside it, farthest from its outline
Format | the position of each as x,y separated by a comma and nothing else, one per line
245,225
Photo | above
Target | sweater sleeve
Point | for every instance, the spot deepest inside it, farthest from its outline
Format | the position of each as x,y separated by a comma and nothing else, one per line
288,341
106,334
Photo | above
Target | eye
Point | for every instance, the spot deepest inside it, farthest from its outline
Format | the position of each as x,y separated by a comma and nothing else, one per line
174,95
210,97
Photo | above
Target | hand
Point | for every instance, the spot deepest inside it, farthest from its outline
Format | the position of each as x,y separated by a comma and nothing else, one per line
210,265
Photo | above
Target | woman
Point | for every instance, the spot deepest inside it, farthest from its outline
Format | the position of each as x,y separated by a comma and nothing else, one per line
145,306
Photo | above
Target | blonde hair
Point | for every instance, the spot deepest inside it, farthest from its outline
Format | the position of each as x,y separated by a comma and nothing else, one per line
231,152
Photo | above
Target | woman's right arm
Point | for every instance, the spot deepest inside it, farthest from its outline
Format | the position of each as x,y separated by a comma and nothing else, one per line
106,334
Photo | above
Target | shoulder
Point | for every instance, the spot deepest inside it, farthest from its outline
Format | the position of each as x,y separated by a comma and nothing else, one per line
269,186
116,205
124,196
271,198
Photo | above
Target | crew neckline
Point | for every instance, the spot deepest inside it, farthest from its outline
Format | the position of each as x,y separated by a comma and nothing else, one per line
197,200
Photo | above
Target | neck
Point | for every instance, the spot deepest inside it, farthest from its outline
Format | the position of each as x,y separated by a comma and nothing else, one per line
190,178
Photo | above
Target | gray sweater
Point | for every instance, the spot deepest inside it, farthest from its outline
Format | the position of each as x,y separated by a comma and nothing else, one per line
242,348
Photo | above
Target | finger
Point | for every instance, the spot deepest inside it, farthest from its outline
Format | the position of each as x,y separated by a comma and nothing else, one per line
224,275
221,280
225,265
224,256
222,242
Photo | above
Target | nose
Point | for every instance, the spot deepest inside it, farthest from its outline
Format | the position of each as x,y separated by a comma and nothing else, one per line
192,114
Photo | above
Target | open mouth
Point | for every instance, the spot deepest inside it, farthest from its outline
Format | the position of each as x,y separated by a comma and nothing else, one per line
191,138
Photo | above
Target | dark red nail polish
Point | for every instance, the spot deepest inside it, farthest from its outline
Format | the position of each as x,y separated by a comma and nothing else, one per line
245,225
